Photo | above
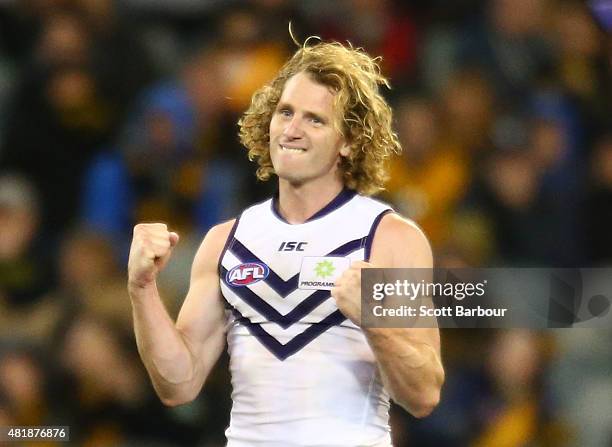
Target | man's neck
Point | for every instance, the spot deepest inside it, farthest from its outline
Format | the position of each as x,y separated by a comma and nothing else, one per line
296,204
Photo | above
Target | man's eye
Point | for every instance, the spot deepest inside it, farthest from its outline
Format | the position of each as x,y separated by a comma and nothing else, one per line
285,112
316,120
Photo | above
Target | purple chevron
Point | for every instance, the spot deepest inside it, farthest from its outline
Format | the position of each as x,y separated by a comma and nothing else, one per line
284,288
269,312
280,286
281,351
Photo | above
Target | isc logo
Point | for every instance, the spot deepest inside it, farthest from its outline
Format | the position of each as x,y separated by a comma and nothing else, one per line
249,273
292,246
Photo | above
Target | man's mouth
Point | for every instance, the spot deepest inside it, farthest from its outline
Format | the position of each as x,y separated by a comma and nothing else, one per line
292,149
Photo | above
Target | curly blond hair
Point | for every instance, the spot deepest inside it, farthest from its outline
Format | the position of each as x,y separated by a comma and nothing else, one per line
366,123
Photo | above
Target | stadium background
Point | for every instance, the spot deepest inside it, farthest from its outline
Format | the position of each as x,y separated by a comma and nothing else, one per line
117,112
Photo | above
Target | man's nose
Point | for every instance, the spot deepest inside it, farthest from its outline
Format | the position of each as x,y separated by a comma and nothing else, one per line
293,129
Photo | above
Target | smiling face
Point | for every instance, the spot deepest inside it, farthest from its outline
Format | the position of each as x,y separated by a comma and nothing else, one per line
305,146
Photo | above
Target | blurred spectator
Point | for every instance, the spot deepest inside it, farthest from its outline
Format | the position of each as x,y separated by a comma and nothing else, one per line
26,270
20,25
518,411
582,66
275,16
74,102
582,380
502,399
91,279
169,165
23,384
508,194
116,45
64,39
246,59
598,209
106,397
510,46
246,56
505,39
384,28
431,176
529,190
70,120
467,111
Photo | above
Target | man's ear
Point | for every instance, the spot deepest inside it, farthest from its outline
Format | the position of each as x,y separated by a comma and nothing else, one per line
345,150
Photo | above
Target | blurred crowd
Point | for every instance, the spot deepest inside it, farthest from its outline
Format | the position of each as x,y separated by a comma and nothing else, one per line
118,112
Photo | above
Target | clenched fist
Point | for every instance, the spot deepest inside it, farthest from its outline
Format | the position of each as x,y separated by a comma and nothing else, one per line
347,291
151,248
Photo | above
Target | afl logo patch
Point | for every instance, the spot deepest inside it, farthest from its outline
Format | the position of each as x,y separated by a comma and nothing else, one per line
248,273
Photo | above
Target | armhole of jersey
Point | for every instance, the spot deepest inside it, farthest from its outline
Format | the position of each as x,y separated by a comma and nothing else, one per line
370,237
229,240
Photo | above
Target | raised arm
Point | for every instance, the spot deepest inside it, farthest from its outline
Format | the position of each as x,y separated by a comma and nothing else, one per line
408,358
178,357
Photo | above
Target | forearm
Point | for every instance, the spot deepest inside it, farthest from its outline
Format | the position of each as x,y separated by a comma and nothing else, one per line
411,369
162,348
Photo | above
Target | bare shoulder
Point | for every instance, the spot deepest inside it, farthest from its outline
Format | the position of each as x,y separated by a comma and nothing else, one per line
396,227
218,234
399,242
211,247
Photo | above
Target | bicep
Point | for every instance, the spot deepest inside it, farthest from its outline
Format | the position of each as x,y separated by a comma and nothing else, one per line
201,320
399,243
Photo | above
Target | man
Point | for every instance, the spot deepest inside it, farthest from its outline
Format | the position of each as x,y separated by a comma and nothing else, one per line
304,372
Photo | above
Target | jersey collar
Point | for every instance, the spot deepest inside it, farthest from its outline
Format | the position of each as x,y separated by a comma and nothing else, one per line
343,197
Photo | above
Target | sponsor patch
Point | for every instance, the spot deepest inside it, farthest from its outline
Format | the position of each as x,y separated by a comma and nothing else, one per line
321,272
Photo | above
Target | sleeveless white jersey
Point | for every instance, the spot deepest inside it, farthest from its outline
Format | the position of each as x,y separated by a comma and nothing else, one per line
302,373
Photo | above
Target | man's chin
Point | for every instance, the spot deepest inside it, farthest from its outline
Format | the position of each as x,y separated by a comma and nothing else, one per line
292,180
